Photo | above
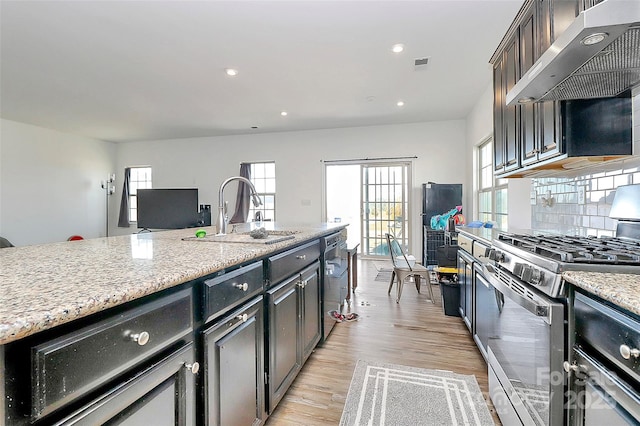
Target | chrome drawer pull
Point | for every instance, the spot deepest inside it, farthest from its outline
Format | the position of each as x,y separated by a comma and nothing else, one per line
302,284
140,338
627,352
301,257
243,317
194,368
243,286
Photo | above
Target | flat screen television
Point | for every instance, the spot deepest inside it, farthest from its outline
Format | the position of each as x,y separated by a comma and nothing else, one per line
172,208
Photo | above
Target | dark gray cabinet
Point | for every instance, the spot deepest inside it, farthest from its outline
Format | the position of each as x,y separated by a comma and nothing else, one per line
506,118
233,373
294,328
221,350
530,137
162,394
117,367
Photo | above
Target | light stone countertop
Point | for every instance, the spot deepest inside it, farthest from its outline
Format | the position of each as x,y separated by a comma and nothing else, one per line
43,286
620,289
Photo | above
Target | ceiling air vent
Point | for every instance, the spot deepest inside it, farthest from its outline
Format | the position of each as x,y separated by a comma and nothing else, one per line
421,63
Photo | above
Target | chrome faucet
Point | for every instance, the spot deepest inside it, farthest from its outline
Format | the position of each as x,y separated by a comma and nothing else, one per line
223,219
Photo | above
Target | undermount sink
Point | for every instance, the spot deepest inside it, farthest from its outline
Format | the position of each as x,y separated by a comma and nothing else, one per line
273,236
275,232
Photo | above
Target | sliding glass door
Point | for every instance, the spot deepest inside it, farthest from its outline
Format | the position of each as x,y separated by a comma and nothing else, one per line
373,197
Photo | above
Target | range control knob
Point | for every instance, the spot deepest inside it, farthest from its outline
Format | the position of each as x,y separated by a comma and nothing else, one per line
518,269
496,255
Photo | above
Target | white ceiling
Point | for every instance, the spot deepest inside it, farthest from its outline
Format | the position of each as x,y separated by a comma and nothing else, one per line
138,70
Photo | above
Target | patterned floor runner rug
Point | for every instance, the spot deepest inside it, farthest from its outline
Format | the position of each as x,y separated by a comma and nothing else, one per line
388,394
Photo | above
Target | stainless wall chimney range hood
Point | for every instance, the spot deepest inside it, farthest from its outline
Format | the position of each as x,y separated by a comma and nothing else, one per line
597,56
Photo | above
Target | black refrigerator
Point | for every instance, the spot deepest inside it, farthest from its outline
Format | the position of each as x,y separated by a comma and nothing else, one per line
437,198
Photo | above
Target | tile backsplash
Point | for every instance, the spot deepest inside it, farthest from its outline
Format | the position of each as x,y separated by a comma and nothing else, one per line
580,204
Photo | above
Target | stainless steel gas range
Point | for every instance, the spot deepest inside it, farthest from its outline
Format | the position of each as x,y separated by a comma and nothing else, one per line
527,332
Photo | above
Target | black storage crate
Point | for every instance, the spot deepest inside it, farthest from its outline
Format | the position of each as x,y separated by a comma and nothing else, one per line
432,239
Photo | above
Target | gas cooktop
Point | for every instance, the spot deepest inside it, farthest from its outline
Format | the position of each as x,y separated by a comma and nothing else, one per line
570,249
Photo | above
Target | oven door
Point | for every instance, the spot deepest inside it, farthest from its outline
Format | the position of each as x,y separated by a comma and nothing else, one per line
525,350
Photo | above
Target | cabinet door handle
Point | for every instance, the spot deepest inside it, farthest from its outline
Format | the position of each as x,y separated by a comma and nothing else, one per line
140,338
243,286
193,368
301,257
243,317
628,352
301,284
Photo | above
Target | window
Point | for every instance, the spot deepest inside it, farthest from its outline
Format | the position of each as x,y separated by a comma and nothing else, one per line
139,178
492,192
263,177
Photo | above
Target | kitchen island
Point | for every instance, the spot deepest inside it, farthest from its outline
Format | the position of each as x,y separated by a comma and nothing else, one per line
58,300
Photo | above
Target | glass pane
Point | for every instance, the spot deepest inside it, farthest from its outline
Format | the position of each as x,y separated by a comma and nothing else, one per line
270,170
270,185
484,201
501,201
259,185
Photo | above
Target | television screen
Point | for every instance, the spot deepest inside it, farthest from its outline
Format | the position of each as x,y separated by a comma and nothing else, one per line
174,208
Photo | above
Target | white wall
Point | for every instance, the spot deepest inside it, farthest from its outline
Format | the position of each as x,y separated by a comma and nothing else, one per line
50,184
479,128
205,162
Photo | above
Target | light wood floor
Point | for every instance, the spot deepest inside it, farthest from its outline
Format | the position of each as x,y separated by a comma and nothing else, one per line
414,332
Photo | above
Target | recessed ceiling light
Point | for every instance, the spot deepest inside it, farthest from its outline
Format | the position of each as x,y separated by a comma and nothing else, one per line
400,103
231,72
284,113
593,39
397,48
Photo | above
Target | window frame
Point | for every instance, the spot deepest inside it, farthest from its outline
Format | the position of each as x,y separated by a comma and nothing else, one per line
497,186
261,184
133,194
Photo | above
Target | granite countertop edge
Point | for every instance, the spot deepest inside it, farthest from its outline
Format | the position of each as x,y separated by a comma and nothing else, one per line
619,289
47,285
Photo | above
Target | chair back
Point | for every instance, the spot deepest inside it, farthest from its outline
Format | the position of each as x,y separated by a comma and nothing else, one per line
395,251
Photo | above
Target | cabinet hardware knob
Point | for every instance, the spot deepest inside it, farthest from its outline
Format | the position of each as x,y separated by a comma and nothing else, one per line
301,284
194,368
243,286
243,317
628,352
301,257
140,338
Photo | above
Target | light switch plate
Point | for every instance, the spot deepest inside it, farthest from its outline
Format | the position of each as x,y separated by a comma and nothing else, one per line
533,197
582,194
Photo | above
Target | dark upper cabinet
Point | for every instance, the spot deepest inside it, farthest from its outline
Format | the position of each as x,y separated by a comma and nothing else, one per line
529,135
533,137
498,108
511,113
506,118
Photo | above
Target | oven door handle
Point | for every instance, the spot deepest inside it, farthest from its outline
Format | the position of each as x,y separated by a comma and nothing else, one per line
536,305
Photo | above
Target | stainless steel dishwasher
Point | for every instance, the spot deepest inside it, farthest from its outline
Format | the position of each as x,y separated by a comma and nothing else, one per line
335,276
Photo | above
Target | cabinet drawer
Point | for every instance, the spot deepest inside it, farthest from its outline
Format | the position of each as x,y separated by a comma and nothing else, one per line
465,243
607,330
283,265
480,252
70,366
227,291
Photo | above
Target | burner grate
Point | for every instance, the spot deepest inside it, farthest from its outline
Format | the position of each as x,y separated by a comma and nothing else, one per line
569,249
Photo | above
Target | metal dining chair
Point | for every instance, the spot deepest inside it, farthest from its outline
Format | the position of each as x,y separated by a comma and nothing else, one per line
402,269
